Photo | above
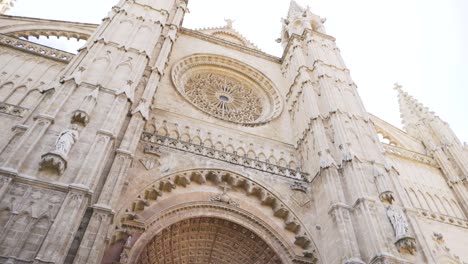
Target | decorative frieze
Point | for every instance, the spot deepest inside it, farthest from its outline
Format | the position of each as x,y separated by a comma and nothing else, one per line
394,150
442,218
13,110
199,149
37,49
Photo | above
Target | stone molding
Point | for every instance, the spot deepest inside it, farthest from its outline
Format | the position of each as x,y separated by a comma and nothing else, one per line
12,110
35,49
184,69
200,209
440,217
228,44
408,154
130,214
35,27
153,140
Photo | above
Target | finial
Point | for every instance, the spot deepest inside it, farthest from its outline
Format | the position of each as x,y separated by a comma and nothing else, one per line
229,22
397,86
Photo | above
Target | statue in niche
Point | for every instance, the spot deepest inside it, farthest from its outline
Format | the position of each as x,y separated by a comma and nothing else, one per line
398,221
66,139
128,242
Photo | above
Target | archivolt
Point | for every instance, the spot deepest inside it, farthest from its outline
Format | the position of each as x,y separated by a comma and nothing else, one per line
134,214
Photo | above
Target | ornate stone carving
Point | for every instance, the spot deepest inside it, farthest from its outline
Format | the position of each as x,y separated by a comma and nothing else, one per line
224,97
407,244
12,110
394,150
82,114
219,155
398,221
404,242
40,50
227,89
65,140
207,240
224,198
53,161
57,159
299,186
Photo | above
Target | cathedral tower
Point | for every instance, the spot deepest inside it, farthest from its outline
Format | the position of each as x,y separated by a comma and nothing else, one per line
157,143
351,179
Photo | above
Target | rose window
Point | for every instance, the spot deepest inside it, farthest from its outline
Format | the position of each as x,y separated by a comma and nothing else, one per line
227,89
223,97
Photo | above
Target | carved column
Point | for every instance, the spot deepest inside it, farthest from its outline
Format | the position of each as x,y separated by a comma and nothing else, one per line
93,243
60,236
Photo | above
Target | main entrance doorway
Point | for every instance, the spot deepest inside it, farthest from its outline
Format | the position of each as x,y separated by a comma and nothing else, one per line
207,240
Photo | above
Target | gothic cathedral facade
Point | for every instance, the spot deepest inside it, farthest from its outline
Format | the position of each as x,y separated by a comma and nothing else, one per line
159,144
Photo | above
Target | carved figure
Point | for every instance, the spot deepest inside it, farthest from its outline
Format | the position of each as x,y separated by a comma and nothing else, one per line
128,242
66,139
399,221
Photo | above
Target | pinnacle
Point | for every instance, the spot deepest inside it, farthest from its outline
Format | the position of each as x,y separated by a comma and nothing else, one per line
412,112
294,8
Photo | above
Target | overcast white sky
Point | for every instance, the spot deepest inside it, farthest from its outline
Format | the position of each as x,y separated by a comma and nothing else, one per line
418,43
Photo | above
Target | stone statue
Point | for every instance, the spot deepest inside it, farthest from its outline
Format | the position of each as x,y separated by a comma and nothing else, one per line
128,242
66,139
123,257
399,222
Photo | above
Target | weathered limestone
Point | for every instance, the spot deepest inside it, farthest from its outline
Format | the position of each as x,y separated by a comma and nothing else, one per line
157,143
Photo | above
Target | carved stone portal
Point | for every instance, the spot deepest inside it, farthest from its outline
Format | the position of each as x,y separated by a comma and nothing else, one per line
207,240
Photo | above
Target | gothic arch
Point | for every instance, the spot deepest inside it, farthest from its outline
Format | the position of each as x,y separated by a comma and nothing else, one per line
48,28
177,193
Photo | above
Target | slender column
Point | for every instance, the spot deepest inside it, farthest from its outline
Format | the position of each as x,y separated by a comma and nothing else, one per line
62,232
93,243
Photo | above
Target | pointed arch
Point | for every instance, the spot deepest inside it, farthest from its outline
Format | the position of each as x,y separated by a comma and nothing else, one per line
15,97
5,90
240,151
219,146
34,238
207,143
31,99
251,154
431,203
439,205
14,233
262,157
140,40
196,140
448,207
185,137
282,162
98,66
423,201
162,131
414,199
4,217
229,149
457,210
124,30
155,202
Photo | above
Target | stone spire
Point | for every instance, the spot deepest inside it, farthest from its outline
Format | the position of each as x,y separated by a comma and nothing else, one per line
294,9
6,5
415,115
412,112
298,21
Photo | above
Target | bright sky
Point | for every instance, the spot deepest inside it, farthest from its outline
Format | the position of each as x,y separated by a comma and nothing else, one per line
418,43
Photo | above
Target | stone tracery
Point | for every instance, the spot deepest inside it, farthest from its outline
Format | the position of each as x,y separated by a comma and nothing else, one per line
224,97
207,240
227,89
